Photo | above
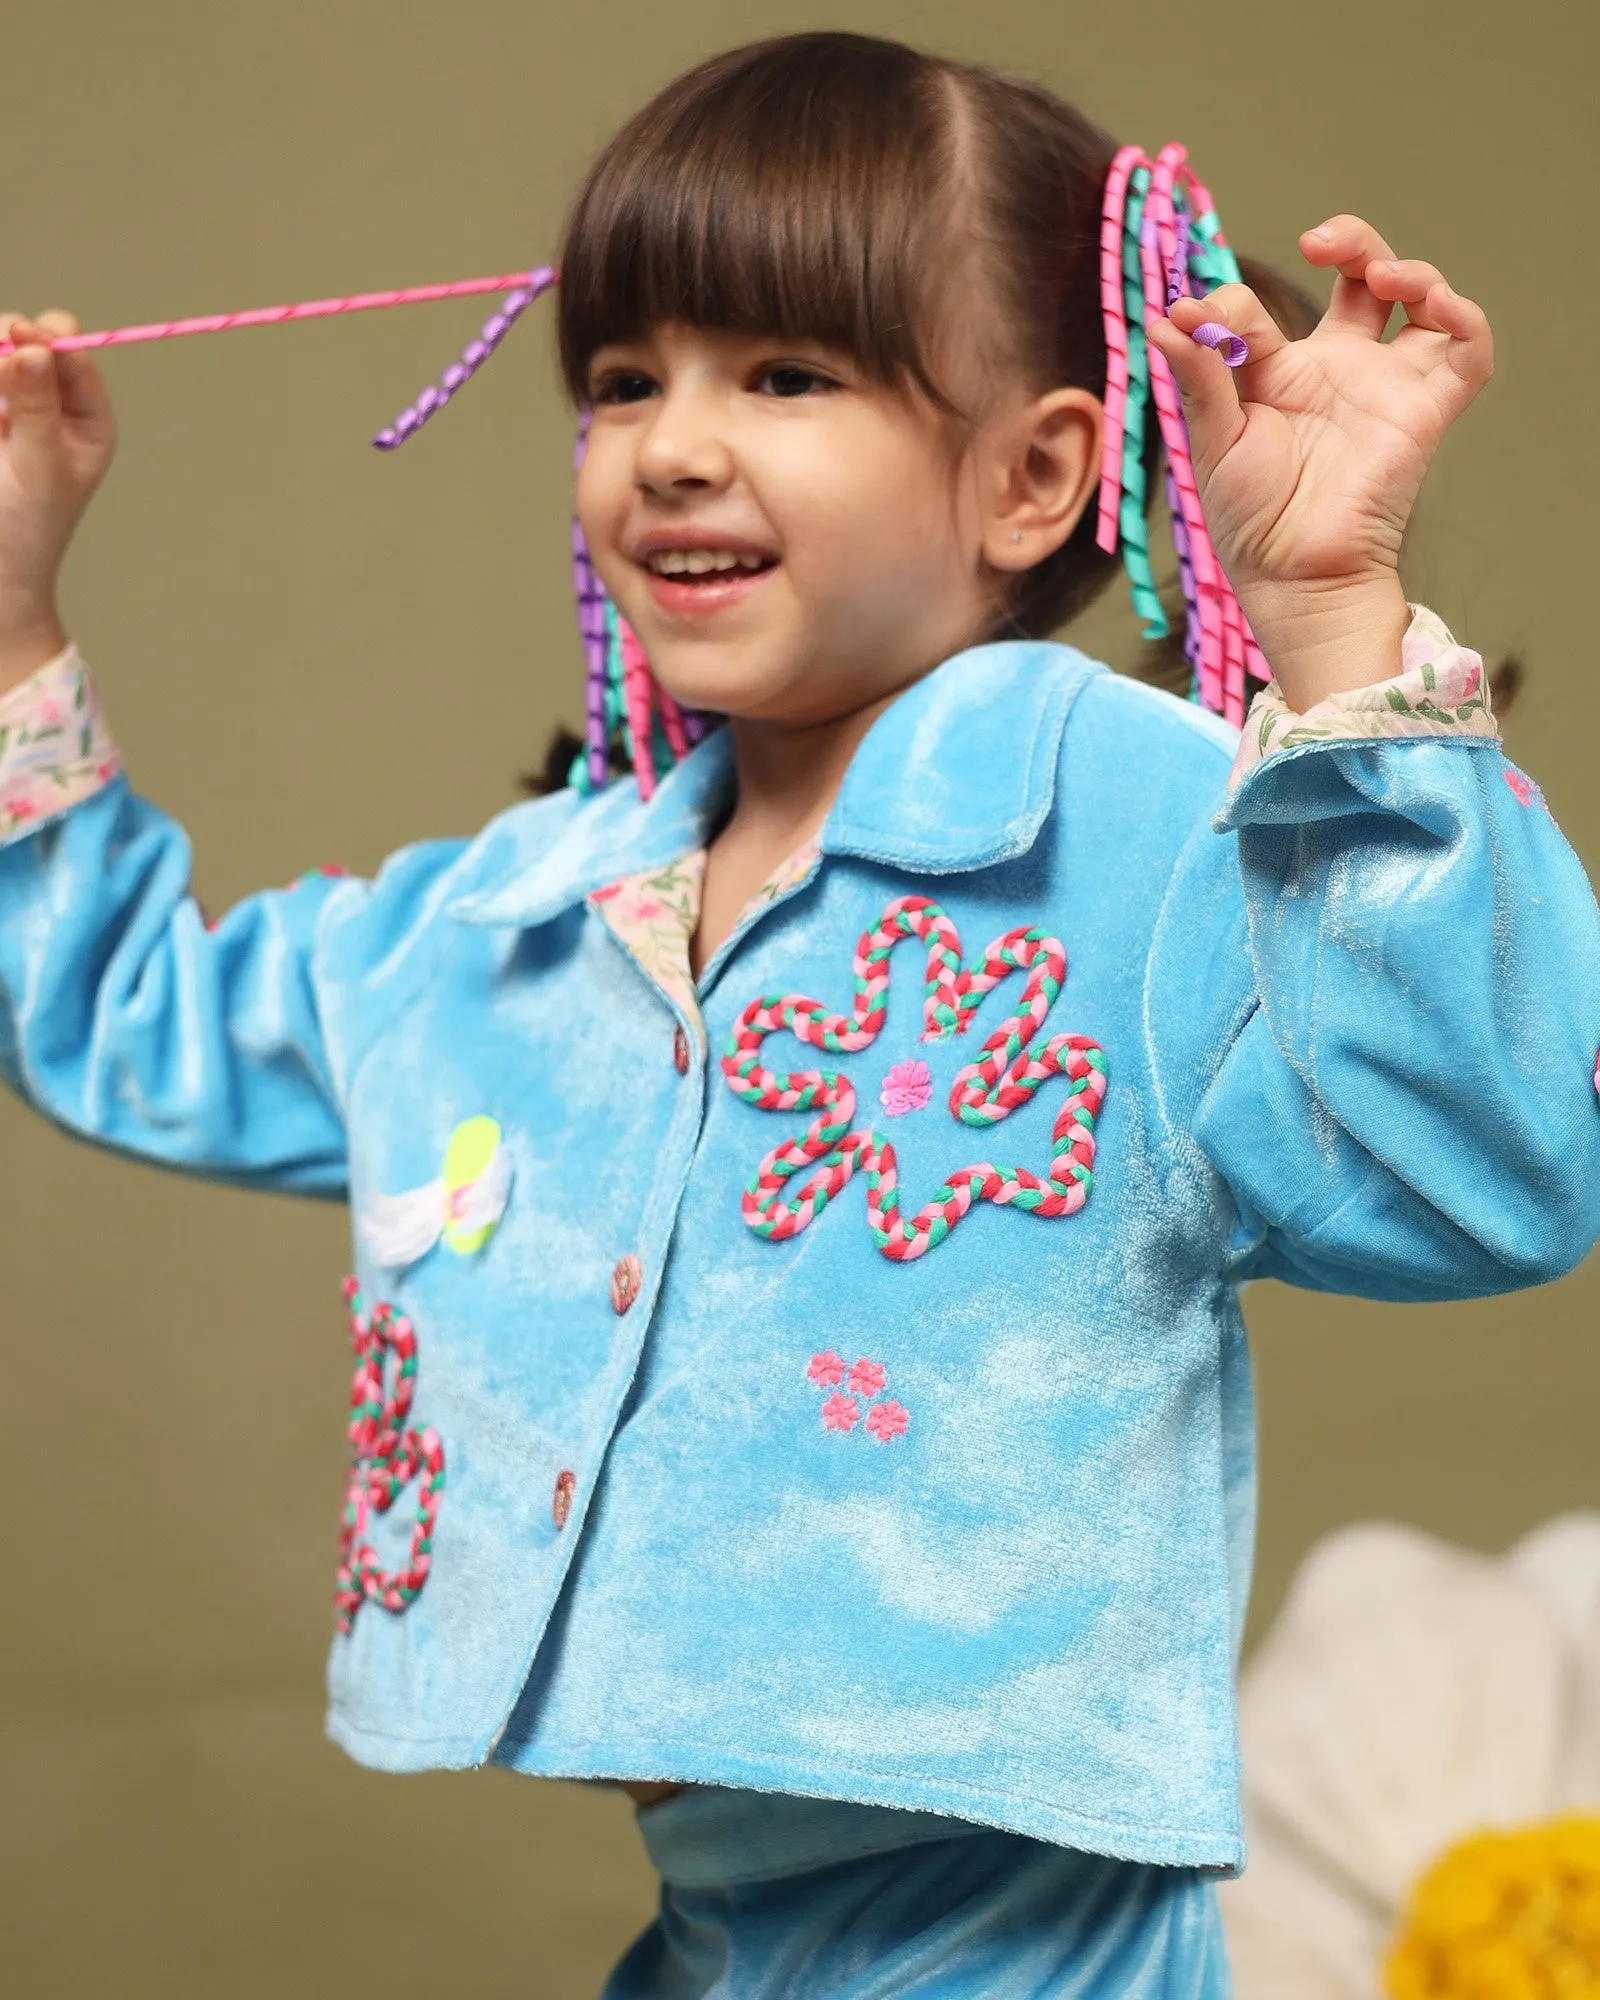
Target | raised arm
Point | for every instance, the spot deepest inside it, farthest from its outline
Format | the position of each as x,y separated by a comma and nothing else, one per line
122,1015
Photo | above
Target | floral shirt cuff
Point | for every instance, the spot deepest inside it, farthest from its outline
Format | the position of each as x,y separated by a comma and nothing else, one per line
1441,690
55,749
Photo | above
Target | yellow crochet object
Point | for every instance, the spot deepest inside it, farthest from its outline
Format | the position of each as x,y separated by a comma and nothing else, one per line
1505,1916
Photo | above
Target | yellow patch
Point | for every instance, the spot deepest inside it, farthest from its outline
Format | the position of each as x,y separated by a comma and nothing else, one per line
473,1145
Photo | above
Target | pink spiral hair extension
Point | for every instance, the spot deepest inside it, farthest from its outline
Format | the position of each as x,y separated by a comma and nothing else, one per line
636,683
409,295
682,729
1219,642
1156,252
1116,326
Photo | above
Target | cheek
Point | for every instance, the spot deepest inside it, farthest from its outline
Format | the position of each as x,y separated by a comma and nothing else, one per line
601,491
868,506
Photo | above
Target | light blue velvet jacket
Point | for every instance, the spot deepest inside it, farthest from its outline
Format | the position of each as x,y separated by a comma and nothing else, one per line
1349,1033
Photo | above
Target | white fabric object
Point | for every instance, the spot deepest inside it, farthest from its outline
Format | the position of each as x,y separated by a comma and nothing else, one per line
1409,1692
400,1228
1562,1559
481,1203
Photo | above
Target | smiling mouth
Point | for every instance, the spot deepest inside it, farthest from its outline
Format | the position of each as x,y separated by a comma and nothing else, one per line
700,566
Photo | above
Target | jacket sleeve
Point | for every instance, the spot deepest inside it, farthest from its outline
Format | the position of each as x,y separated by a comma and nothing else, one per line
1405,1101
124,1017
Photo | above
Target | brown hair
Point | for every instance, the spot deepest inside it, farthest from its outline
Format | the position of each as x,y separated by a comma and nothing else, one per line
822,186
840,188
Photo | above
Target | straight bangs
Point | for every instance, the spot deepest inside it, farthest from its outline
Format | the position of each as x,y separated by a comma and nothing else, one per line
797,188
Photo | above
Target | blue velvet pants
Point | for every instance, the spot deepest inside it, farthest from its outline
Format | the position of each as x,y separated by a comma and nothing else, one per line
766,1897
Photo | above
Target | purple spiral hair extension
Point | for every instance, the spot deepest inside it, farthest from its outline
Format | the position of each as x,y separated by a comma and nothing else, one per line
591,597
473,356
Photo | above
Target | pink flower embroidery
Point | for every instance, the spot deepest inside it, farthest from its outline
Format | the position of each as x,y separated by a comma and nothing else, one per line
887,1420
826,1370
840,1413
907,1087
867,1377
1521,789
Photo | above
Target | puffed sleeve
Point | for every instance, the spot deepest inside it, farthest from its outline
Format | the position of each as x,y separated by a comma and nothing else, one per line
1402,1098
124,1016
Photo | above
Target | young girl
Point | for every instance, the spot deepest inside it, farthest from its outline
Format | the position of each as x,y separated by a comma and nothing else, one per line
891,1541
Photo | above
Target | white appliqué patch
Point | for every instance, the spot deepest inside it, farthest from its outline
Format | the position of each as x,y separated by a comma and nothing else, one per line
463,1205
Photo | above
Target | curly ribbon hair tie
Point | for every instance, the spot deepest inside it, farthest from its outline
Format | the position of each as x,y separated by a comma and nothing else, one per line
1160,241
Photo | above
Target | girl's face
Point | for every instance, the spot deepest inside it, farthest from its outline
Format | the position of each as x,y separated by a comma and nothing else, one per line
791,541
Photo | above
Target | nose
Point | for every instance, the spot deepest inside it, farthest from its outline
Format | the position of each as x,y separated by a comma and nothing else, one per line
683,449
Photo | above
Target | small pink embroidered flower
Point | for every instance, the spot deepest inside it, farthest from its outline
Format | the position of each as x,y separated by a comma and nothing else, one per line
887,1420
841,1413
867,1377
907,1087
647,909
826,1370
1521,789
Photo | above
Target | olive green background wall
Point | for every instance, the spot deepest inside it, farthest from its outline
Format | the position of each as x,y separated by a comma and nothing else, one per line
314,652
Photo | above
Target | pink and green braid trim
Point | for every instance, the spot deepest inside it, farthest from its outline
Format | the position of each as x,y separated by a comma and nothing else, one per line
386,1455
1011,1068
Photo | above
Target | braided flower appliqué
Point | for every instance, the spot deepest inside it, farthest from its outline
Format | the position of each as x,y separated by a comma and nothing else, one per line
1010,1068
386,1455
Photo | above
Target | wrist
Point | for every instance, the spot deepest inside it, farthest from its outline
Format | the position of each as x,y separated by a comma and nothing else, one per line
31,635
1323,638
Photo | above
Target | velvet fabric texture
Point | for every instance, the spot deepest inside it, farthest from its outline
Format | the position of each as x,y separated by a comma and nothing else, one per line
1350,1031
769,1897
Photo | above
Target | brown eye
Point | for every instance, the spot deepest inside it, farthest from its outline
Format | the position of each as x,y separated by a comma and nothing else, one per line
788,379
625,386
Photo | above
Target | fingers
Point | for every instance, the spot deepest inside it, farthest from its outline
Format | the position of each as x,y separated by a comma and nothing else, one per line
1238,309
83,392
32,391
1460,365
1348,245
1467,361
79,387
1211,404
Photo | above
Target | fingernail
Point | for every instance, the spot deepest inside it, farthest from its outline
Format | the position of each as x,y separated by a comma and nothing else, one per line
1322,233
32,365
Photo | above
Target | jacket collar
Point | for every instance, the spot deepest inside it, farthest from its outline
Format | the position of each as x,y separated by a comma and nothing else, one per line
957,774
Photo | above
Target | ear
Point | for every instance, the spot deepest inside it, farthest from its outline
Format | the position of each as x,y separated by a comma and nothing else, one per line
1043,466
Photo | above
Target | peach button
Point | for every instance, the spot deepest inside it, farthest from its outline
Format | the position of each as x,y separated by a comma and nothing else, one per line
625,1282
561,1499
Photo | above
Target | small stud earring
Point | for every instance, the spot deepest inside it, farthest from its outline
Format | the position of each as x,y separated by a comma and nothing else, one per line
1016,534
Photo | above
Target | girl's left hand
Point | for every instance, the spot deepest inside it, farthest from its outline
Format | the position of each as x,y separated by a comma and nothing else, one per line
1309,457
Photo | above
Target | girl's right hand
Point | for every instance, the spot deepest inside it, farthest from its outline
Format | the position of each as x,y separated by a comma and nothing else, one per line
57,434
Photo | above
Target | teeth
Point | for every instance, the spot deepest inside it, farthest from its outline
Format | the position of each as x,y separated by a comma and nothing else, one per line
700,562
